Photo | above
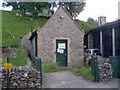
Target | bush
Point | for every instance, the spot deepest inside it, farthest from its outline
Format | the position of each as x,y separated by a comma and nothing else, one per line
50,68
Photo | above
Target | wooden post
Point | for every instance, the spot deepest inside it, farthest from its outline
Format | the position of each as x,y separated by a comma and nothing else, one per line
101,45
8,79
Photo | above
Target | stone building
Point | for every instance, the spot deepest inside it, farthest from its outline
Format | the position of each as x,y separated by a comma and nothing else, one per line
59,40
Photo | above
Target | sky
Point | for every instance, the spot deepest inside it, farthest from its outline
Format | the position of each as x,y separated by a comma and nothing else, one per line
94,9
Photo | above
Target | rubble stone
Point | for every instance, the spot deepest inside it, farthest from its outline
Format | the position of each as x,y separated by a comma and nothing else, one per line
105,72
21,77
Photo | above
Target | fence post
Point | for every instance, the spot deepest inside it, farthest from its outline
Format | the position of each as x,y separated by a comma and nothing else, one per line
94,67
8,78
119,66
41,71
38,64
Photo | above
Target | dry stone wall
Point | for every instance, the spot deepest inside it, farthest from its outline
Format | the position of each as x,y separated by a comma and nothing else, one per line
105,72
21,77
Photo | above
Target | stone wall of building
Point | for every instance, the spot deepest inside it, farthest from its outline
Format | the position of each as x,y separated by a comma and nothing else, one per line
25,41
61,26
29,45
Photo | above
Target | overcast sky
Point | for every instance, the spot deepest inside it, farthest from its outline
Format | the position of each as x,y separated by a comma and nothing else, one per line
96,8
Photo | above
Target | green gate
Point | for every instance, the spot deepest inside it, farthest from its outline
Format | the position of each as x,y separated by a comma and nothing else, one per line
38,64
115,63
94,67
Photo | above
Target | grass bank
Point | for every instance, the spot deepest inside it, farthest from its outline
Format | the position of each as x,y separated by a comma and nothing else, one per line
85,72
18,57
14,27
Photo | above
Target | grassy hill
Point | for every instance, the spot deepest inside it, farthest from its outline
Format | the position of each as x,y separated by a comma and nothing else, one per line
13,25
85,25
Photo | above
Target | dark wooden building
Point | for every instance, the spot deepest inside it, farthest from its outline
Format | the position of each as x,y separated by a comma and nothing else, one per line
106,38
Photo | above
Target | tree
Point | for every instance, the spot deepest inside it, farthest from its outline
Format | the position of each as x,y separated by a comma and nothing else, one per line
74,8
89,24
92,21
33,7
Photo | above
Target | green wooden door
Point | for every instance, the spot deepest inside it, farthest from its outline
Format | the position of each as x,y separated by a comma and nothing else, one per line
61,52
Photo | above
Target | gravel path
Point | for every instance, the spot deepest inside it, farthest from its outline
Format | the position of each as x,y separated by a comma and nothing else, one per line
66,79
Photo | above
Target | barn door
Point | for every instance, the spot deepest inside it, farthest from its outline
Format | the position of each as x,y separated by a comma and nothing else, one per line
61,52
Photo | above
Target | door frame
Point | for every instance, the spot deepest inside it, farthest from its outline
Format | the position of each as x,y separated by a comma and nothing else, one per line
68,50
